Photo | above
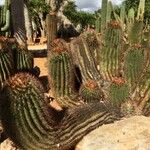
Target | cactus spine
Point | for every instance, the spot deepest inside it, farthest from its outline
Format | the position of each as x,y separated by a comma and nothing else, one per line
33,125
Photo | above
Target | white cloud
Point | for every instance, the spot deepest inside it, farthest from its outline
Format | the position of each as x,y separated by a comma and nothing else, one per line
2,2
91,5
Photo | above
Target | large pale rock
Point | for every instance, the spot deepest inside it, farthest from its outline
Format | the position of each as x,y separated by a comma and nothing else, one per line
128,134
8,145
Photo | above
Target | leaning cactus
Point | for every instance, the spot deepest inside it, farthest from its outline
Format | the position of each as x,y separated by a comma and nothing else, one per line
90,92
85,59
33,125
61,70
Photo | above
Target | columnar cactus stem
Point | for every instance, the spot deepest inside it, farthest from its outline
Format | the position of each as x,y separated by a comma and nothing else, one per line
23,59
85,60
61,70
134,63
111,52
33,125
119,91
6,62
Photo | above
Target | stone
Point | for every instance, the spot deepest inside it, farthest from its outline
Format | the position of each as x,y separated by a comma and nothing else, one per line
8,145
127,134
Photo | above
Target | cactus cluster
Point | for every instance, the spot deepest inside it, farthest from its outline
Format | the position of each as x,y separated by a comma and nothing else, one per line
5,16
31,124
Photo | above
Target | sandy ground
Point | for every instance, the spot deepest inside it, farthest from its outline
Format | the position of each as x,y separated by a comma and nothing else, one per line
42,64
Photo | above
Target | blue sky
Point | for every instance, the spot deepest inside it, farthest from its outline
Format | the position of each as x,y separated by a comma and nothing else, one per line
91,5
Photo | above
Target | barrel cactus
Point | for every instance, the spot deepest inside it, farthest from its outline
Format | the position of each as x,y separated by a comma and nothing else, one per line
90,92
32,124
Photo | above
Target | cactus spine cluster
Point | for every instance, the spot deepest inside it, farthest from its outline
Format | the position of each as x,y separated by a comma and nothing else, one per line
5,16
33,125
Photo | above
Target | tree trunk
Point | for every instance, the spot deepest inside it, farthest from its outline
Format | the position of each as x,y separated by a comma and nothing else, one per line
18,20
28,25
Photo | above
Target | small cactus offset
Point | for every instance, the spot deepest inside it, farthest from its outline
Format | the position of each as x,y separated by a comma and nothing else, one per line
111,52
118,91
90,92
61,70
23,59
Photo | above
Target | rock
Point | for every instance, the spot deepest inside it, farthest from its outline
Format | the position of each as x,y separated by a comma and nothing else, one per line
8,145
128,134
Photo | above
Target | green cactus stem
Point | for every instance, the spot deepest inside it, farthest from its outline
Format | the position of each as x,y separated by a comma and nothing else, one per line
133,65
6,62
23,59
5,16
61,70
90,92
33,125
93,44
118,91
85,60
141,94
111,53
98,23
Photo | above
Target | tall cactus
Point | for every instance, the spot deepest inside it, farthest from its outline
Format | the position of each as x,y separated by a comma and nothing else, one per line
31,124
111,52
61,70
134,65
85,60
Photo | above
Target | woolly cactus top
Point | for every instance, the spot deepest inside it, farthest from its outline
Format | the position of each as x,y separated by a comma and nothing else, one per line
114,24
58,46
91,84
23,80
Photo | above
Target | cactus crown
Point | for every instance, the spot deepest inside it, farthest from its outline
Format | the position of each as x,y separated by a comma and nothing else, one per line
58,46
